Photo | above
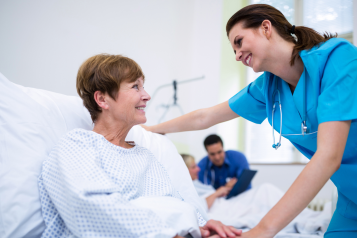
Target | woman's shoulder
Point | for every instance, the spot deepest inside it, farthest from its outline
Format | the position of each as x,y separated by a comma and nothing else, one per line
74,140
78,136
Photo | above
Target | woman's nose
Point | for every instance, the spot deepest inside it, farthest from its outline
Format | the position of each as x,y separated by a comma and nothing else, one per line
146,96
239,56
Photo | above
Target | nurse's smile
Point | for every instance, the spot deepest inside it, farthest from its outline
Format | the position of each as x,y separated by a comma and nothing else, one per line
248,60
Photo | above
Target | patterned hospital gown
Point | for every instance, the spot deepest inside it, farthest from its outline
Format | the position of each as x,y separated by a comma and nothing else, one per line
86,185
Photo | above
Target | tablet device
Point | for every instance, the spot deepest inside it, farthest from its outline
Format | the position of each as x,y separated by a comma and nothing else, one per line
243,182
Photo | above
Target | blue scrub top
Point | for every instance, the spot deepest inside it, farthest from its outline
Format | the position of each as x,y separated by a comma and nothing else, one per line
234,164
330,74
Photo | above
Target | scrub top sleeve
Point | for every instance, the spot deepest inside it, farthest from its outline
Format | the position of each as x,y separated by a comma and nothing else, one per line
249,103
338,98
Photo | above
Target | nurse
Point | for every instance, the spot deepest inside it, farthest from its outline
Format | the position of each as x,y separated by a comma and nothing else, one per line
308,93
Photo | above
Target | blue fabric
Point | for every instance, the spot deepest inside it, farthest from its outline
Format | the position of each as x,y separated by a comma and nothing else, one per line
331,95
341,226
233,166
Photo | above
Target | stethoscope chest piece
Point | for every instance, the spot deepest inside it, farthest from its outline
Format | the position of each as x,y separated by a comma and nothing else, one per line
303,128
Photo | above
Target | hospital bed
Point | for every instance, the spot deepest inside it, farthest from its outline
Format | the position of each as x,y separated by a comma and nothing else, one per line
31,123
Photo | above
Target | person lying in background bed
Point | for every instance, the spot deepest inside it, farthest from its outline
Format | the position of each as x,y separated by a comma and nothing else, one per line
91,179
248,208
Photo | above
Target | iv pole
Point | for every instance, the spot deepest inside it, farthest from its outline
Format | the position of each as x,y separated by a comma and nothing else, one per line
174,84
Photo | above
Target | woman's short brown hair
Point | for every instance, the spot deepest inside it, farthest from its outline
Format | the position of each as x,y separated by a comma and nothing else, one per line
104,73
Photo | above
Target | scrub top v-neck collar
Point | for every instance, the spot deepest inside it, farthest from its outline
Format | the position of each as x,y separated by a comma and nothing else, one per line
297,97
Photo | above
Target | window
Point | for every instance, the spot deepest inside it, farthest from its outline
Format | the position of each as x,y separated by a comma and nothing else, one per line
335,16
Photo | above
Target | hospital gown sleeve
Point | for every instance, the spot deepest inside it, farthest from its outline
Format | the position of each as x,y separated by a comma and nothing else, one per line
338,96
249,103
89,202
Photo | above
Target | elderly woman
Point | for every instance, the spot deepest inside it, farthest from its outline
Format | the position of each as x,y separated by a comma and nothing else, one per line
90,178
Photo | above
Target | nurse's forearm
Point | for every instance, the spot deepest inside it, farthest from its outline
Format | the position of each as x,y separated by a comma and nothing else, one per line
196,120
331,142
304,189
189,122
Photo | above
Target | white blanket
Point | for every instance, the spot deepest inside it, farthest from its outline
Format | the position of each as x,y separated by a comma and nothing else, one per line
178,215
247,209
166,153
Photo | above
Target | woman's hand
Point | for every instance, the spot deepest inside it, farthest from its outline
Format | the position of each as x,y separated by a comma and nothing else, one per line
222,191
214,228
231,183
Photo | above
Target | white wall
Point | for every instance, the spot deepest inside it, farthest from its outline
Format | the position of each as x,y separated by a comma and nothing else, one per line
43,43
283,177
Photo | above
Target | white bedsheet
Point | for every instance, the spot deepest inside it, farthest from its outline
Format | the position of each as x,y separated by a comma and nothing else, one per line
178,215
246,210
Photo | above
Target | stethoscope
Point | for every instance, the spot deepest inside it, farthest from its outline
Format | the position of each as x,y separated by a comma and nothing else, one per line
213,176
303,122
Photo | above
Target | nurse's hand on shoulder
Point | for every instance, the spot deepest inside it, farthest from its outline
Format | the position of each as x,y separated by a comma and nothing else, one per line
149,128
215,229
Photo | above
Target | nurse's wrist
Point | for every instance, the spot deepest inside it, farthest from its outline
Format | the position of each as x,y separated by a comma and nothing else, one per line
267,229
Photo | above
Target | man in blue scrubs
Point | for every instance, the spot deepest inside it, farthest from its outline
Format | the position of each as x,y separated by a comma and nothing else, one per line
220,166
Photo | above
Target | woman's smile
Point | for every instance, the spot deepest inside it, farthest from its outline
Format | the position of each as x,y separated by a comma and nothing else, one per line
141,108
248,60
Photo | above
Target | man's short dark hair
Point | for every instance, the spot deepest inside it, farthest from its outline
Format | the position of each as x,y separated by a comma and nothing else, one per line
212,139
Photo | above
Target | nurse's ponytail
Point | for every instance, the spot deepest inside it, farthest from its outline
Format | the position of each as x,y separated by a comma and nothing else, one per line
304,38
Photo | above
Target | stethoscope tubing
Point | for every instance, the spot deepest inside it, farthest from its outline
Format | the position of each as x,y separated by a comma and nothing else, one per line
213,176
303,123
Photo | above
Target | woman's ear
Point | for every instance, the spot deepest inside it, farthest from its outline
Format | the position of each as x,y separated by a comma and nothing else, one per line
267,28
101,99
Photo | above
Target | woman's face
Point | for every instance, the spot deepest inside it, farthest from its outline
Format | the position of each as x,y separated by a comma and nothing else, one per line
193,169
250,46
129,107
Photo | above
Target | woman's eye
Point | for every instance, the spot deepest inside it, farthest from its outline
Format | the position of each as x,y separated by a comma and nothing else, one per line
136,86
239,42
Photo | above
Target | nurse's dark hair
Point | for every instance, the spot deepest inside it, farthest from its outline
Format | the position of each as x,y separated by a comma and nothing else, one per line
253,15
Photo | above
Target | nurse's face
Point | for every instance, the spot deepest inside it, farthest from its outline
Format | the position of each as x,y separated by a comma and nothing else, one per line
250,46
216,153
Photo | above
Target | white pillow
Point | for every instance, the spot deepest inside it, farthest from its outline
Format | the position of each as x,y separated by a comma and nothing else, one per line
31,123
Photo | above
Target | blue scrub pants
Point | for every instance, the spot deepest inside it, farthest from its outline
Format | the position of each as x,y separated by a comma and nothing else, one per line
341,227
